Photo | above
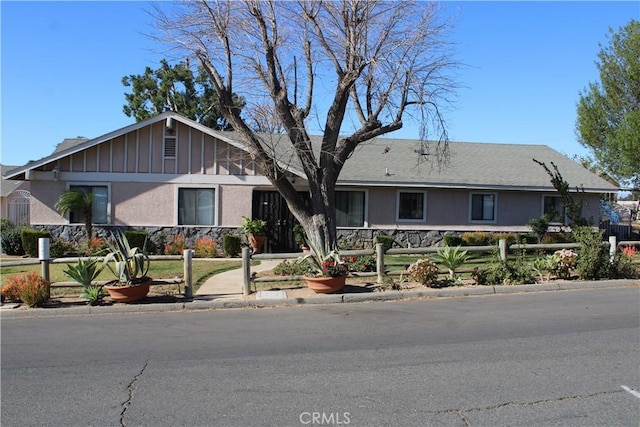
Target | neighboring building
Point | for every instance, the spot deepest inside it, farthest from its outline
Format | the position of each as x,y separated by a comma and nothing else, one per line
172,175
14,198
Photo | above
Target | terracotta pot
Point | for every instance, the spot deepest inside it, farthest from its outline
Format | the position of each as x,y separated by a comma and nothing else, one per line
257,242
130,293
325,285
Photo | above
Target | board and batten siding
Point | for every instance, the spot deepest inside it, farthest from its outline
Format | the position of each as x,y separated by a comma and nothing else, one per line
142,151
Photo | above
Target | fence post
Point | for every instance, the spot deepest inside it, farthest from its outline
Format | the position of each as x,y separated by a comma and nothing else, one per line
502,244
188,273
380,262
613,247
246,271
43,256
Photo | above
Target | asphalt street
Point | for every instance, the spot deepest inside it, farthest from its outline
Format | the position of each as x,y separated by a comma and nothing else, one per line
553,358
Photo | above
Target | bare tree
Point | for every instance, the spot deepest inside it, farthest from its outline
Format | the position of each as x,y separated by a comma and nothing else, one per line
372,65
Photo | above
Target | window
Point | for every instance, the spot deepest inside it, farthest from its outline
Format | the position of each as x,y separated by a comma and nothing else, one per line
412,206
100,204
350,208
195,206
483,207
553,206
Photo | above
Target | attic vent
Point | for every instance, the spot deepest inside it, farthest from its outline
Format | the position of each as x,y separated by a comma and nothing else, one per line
170,147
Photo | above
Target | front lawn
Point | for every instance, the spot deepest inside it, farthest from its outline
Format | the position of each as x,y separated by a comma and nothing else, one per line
202,270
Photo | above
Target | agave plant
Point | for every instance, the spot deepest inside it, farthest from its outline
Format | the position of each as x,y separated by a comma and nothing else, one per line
129,265
84,271
451,259
325,262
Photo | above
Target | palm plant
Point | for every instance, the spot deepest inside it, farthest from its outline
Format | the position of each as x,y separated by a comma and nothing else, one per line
77,200
451,259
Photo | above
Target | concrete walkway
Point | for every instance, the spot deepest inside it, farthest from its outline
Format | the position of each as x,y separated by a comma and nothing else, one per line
228,285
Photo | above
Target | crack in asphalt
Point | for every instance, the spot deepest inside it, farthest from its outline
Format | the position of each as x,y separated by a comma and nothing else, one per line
130,388
460,412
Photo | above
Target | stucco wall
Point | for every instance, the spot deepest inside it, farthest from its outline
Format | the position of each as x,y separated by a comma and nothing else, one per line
44,195
135,203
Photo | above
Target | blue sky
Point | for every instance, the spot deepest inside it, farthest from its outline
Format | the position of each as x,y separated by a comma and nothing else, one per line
62,65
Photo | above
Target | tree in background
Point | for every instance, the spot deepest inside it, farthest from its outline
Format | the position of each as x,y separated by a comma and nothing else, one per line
609,111
356,69
175,88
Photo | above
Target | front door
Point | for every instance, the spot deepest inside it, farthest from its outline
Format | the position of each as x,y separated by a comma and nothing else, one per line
271,207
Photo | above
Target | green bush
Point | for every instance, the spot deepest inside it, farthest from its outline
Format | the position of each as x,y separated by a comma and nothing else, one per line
360,263
137,238
387,241
231,244
61,248
558,238
452,240
287,268
500,272
11,238
593,260
30,238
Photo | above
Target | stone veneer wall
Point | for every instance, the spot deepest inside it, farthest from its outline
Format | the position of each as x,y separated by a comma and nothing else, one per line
348,238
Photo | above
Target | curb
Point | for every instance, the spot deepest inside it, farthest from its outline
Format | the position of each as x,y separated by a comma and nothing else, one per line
218,304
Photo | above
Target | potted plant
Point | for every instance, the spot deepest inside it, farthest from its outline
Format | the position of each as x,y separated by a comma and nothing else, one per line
85,272
300,238
130,266
328,273
255,230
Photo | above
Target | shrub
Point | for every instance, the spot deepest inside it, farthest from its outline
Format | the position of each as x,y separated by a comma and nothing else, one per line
35,290
557,238
629,251
452,240
10,238
30,238
593,262
540,226
29,288
476,238
137,238
423,271
565,261
96,246
287,268
11,290
231,244
206,247
60,248
623,267
500,272
360,263
176,246
387,241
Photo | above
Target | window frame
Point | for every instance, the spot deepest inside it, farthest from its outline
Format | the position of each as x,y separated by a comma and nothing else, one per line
365,206
216,204
562,215
495,207
107,185
399,194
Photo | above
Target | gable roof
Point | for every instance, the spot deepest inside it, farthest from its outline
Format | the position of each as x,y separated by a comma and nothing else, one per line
394,162
8,187
74,145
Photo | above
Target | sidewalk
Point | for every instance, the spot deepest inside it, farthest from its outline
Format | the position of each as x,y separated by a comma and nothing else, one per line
228,285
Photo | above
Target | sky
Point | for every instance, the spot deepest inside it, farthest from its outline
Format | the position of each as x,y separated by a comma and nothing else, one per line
525,64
